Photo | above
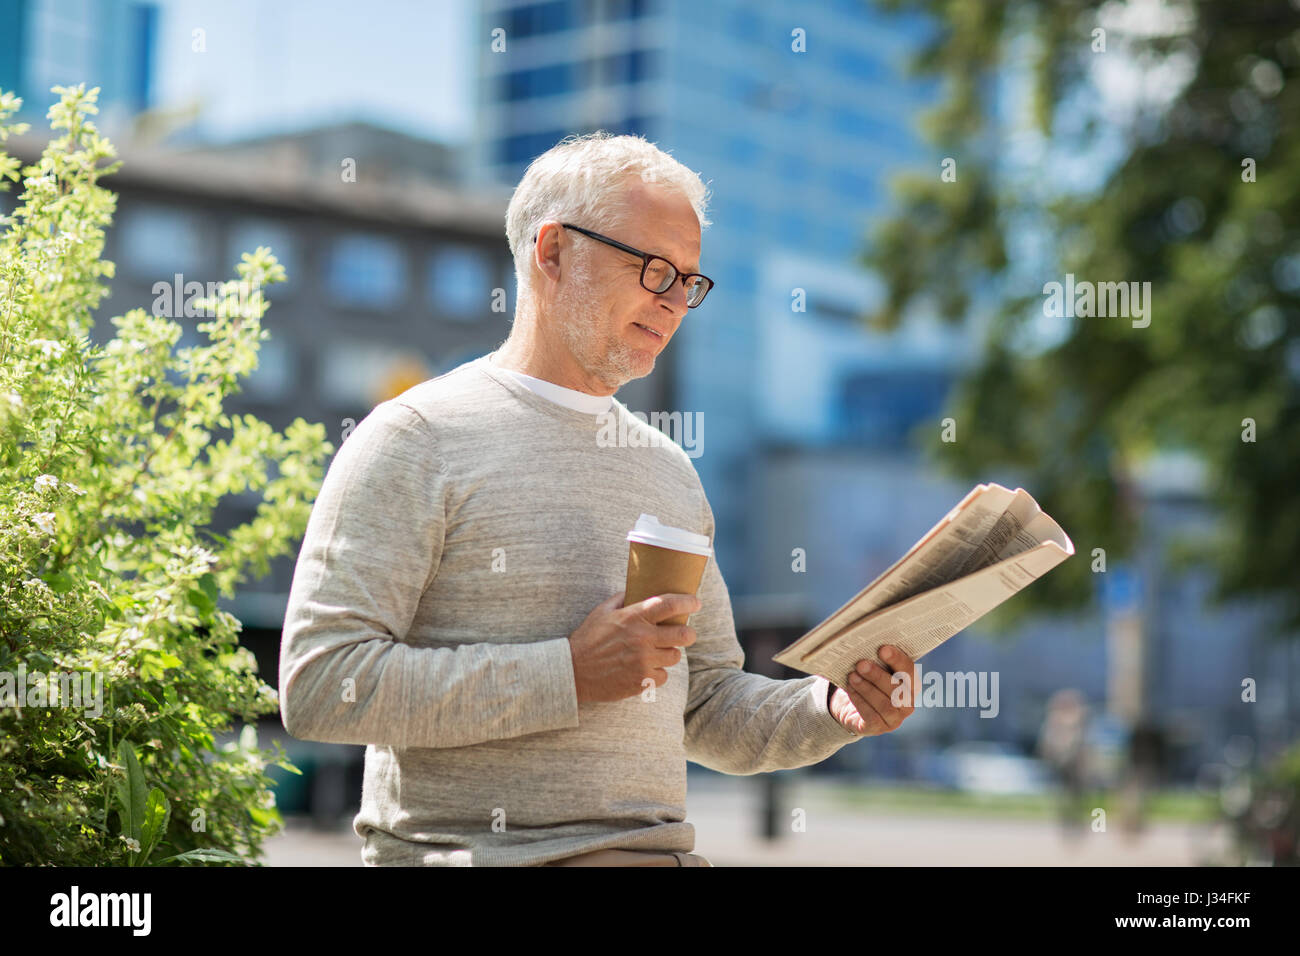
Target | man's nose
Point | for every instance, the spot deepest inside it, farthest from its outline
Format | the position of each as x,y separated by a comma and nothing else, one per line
674,298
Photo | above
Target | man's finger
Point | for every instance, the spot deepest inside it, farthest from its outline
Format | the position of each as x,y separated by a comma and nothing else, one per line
663,606
902,664
895,660
875,674
876,701
674,635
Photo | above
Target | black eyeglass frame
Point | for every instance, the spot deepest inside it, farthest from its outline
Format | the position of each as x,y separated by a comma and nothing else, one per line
645,258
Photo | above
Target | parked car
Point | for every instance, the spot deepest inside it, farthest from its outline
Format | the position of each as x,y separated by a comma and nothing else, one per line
985,766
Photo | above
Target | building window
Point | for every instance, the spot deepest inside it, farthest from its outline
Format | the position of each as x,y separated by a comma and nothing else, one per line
851,123
633,126
630,67
275,376
619,9
539,18
158,241
880,408
853,64
247,234
541,81
526,146
367,271
460,282
356,375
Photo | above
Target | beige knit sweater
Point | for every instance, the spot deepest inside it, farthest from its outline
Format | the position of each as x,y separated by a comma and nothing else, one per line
463,531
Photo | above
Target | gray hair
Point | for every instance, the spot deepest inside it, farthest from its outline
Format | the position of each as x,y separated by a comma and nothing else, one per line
581,179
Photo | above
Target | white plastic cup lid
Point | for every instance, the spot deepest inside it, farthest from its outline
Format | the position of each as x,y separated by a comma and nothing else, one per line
648,530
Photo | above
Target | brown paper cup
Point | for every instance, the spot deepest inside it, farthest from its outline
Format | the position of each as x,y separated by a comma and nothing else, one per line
652,571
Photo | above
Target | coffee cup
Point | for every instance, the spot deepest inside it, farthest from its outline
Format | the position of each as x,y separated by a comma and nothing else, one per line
662,559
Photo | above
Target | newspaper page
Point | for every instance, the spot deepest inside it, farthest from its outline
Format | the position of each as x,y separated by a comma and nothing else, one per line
935,558
993,544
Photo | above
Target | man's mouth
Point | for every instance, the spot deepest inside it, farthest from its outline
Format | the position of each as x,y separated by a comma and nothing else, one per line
657,334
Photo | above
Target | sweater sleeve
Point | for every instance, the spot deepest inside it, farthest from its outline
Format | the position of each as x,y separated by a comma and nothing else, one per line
372,547
743,723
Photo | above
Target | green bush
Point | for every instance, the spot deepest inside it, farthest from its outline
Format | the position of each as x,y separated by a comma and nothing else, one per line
112,462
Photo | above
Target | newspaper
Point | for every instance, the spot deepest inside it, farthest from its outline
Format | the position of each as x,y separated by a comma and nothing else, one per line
991,545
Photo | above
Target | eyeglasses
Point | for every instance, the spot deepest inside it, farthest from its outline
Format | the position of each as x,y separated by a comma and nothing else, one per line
657,273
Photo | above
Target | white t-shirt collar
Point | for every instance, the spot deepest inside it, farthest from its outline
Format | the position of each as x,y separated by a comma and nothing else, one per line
568,397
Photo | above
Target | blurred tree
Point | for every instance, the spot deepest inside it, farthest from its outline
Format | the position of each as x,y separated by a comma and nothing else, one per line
1136,142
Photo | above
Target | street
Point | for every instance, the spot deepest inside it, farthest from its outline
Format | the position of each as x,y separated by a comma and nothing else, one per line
725,812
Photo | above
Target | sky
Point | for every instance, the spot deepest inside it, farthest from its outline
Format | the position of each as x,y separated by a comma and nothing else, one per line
292,64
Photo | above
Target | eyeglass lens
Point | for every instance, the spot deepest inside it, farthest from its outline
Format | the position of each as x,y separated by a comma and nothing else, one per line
660,275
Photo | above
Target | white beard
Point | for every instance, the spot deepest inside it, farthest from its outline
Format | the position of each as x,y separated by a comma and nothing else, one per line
613,362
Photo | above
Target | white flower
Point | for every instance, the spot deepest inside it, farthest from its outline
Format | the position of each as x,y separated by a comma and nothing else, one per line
45,521
49,348
46,483
74,489
132,844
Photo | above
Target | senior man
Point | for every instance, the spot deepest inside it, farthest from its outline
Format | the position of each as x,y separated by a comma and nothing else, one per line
457,603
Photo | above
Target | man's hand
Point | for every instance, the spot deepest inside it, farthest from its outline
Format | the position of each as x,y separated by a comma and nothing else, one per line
865,707
616,648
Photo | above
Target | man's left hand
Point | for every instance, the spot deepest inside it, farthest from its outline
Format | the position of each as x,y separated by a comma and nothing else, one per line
865,706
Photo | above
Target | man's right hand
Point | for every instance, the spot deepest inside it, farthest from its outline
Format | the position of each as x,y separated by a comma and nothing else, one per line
616,648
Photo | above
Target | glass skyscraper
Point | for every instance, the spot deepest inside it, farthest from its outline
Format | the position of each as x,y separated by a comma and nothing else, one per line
104,43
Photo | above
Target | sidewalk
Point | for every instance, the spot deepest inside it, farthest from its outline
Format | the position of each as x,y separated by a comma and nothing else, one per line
725,812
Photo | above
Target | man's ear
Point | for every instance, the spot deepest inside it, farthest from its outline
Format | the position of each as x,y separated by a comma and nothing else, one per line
546,250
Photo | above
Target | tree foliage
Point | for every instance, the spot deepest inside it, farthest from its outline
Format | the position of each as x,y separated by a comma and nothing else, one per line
1162,149
113,460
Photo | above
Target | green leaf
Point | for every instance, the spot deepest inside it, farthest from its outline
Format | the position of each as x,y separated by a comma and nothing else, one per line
157,812
60,582
208,585
204,855
264,816
201,602
131,792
